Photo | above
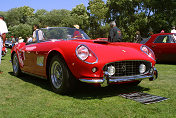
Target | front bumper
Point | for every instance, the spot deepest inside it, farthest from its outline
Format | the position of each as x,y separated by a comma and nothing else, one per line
108,79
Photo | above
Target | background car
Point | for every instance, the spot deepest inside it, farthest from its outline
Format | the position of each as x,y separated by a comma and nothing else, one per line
163,45
65,58
8,44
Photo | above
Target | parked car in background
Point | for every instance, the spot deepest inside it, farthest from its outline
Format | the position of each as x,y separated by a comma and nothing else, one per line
163,45
8,44
63,57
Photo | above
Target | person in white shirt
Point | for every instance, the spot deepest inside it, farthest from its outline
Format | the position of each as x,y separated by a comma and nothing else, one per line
20,40
37,34
173,30
3,31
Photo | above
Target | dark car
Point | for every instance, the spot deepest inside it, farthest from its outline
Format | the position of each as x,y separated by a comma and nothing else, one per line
163,45
8,44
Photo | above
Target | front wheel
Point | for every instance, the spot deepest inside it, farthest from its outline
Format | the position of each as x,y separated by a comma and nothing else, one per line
15,65
59,75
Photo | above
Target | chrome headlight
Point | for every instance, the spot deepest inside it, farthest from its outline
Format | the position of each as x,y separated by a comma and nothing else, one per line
82,52
86,55
148,51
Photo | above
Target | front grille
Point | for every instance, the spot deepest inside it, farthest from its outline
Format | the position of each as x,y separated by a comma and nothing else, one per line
127,68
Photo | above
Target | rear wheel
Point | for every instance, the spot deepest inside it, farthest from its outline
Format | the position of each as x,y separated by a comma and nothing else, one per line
15,65
59,75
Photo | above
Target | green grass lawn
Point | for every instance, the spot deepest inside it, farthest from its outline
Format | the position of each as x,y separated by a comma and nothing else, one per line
31,97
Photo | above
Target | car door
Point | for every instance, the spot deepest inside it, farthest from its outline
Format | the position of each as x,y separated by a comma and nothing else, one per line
169,50
164,48
32,59
35,58
26,59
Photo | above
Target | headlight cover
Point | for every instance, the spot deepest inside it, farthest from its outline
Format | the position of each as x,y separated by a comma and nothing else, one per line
86,55
148,51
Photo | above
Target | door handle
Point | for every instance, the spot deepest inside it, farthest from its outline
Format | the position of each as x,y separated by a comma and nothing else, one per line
28,52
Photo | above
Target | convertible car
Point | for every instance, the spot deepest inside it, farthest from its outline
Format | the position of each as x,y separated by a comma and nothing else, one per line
66,55
163,45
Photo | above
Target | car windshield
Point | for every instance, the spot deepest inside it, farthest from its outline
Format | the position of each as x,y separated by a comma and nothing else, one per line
63,33
145,40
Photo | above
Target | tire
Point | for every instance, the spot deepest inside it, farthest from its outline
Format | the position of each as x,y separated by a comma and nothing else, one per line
60,77
16,66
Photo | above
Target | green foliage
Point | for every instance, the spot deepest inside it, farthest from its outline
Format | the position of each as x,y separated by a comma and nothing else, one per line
19,15
130,16
79,16
97,15
21,30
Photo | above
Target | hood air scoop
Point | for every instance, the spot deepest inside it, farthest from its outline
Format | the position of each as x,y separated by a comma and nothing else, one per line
101,42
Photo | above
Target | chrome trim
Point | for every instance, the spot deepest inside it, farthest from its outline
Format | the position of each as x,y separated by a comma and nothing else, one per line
89,50
93,80
146,53
117,79
129,78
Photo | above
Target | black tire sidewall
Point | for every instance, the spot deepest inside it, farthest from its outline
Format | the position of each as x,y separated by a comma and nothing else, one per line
18,69
65,86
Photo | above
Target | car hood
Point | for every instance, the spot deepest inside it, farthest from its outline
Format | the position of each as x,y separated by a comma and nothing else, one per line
111,52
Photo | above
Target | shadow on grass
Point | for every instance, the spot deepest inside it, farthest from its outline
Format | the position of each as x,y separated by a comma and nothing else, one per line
34,80
85,91
167,63
90,92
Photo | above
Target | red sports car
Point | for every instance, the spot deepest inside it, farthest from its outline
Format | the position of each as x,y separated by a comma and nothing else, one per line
163,45
63,58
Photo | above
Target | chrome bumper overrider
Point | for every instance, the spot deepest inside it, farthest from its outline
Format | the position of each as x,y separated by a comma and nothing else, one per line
110,79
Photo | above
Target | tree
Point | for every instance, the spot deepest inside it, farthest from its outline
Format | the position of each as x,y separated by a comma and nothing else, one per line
80,17
21,30
19,15
97,15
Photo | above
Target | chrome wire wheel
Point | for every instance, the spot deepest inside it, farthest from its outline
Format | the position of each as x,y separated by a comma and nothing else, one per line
15,64
56,74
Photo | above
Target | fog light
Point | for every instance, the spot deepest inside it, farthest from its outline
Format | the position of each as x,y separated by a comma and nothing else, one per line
142,68
111,70
94,69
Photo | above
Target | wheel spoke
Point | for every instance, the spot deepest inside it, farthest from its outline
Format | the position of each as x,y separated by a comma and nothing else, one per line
56,74
15,64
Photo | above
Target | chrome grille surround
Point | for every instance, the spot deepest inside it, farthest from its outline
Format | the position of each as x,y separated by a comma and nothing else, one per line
128,68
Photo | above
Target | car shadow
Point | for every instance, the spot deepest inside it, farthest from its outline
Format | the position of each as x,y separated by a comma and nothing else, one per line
91,92
43,83
167,63
85,91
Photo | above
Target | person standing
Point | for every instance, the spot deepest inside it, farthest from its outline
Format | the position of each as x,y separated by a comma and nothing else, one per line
114,33
3,31
138,37
37,34
77,34
173,30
